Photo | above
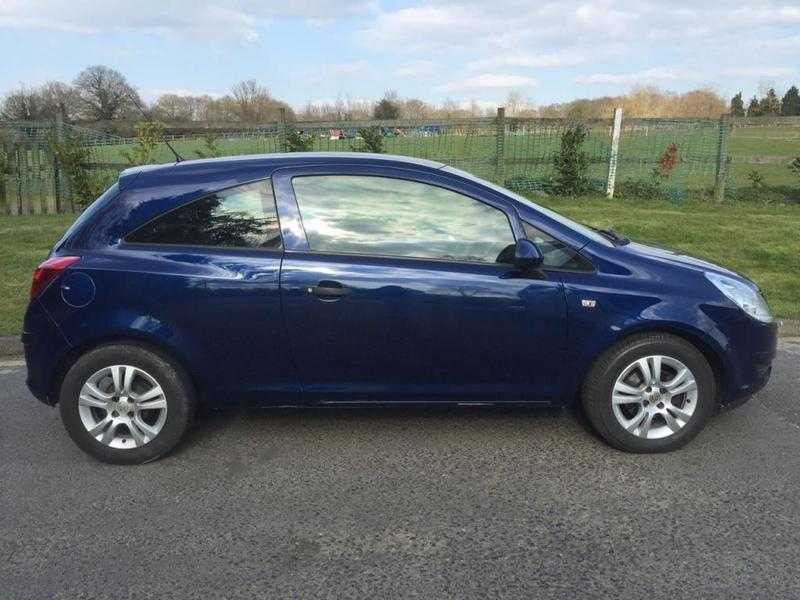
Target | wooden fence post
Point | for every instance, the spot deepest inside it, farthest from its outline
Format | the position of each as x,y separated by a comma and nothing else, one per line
500,145
722,158
58,135
614,156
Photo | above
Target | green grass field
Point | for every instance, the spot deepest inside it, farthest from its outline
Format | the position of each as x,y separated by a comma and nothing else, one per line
762,242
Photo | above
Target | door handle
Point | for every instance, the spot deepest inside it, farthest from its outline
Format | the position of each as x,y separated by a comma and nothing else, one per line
328,290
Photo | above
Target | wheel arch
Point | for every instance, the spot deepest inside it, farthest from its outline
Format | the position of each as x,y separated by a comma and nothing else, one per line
697,338
133,339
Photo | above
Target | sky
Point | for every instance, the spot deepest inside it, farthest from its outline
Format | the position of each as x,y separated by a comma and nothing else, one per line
318,50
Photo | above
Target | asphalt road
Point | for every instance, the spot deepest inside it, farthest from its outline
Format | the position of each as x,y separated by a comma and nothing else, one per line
466,503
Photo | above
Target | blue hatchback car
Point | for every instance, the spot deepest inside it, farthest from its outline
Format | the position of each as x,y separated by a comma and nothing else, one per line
313,279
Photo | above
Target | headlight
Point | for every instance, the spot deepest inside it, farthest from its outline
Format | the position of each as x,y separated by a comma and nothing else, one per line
744,296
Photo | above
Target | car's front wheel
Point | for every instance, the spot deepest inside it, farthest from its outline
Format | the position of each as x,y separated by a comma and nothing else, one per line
650,393
125,404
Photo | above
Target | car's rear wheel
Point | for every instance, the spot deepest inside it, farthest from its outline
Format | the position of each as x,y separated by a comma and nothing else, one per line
125,404
650,393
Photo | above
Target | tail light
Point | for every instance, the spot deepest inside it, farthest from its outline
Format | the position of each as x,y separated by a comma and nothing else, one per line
49,270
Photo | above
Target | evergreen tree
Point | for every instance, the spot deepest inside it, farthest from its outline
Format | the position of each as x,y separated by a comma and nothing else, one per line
790,105
770,105
737,106
754,108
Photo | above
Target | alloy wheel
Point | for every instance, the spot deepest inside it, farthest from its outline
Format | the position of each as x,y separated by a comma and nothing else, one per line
122,406
654,397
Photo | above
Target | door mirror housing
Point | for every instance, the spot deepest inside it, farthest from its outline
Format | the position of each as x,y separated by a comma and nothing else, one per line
527,256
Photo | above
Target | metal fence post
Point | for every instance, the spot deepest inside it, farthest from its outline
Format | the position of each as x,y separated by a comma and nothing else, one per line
614,155
722,158
282,131
500,145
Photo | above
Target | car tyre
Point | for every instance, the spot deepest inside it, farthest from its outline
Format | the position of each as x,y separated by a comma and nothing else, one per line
118,386
641,414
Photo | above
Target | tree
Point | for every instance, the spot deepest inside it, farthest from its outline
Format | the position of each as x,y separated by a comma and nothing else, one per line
24,104
790,105
387,109
105,93
253,103
172,108
49,101
754,108
737,106
770,105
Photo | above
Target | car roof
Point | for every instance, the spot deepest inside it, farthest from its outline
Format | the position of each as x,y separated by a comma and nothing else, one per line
268,163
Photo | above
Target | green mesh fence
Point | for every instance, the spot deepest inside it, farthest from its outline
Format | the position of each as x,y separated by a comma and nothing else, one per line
518,153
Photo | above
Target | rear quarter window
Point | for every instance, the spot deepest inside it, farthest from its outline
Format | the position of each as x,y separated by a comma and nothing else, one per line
239,217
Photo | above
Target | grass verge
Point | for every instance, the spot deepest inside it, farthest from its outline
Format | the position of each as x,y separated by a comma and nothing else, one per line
24,243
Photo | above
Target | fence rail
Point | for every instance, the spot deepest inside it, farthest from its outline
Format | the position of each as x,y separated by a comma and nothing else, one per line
516,152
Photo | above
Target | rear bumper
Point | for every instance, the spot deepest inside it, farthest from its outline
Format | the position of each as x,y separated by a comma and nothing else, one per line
45,348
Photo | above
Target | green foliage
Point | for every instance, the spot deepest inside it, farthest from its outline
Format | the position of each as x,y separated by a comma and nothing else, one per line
770,105
794,167
85,184
386,110
756,179
372,140
790,105
640,189
754,109
149,135
572,162
737,106
297,141
210,146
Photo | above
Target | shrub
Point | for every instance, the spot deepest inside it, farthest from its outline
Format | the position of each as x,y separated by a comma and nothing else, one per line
666,163
73,158
297,141
572,163
756,180
794,166
210,147
149,134
372,140
640,189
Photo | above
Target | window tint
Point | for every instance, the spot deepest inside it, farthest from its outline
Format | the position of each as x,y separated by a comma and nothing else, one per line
395,217
556,254
241,217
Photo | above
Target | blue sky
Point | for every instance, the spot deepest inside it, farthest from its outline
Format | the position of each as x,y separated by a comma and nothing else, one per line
316,50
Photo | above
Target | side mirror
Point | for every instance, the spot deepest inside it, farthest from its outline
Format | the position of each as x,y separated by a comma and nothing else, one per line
527,256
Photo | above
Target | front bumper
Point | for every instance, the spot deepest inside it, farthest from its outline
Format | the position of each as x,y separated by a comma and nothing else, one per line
749,350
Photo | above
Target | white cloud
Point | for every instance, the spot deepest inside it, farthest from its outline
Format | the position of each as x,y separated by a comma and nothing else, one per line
655,75
700,38
237,19
488,81
419,69
759,72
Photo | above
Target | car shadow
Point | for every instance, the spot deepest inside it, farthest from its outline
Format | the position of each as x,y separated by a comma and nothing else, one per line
333,421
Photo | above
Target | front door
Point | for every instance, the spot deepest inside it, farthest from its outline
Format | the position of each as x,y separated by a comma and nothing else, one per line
391,288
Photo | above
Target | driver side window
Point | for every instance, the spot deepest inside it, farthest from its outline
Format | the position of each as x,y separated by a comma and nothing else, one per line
354,214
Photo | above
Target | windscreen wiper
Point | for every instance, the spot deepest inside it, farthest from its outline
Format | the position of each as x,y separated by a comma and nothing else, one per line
616,239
